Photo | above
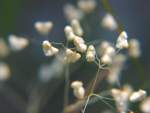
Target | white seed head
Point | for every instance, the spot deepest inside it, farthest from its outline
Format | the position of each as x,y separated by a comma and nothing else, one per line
122,41
109,22
137,96
76,84
77,29
48,49
80,44
43,27
106,59
17,43
54,50
91,48
87,6
116,68
121,98
78,89
123,35
78,40
4,50
71,56
110,51
90,55
71,12
68,29
134,48
145,105
81,48
4,71
103,46
79,93
69,33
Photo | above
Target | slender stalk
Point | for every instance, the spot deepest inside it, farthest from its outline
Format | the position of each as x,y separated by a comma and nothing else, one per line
96,78
67,80
66,90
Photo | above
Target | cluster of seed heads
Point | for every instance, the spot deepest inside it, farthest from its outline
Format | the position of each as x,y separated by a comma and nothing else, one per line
78,89
105,54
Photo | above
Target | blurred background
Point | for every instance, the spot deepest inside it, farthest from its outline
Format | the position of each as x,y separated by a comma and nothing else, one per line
18,17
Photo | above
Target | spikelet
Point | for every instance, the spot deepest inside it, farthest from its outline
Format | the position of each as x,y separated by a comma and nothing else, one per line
109,22
4,50
106,59
78,89
17,43
110,51
134,48
87,6
48,49
69,33
116,68
107,53
121,98
122,41
137,96
103,46
43,27
4,71
77,29
90,55
76,84
145,105
71,12
71,56
80,44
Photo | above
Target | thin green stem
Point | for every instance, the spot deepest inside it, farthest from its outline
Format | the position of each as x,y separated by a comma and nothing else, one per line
88,98
95,80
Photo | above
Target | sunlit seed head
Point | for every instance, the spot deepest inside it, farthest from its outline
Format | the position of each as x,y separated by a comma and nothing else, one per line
17,43
134,48
79,93
71,56
78,40
91,53
76,84
71,12
109,22
4,49
103,46
48,49
145,105
87,6
46,45
110,51
80,44
121,98
69,33
123,35
91,48
106,59
116,68
138,95
82,48
77,27
78,89
4,71
43,27
122,41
